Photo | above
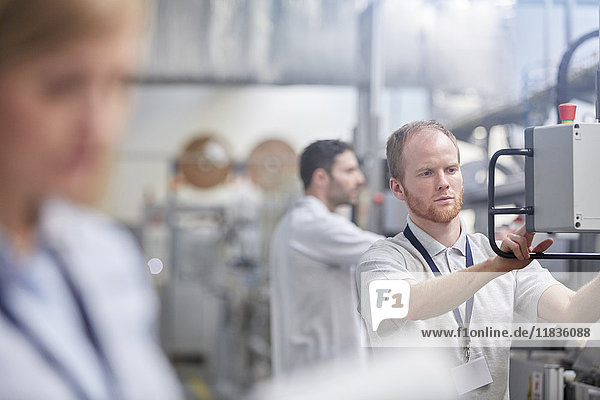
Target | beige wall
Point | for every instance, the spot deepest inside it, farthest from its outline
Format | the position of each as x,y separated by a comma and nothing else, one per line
165,118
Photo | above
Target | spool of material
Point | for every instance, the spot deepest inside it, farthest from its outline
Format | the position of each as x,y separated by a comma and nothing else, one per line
205,162
272,164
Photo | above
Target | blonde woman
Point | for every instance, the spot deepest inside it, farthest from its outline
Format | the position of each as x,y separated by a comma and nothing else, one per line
76,307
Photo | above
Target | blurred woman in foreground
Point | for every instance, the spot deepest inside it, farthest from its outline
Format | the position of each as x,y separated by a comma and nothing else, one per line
76,307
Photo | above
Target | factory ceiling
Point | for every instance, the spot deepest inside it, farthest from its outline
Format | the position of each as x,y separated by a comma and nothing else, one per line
461,51
451,46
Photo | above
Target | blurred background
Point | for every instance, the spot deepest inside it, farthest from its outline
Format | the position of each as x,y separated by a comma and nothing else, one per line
233,91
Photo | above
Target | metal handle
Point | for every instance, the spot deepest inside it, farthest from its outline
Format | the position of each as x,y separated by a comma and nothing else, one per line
493,211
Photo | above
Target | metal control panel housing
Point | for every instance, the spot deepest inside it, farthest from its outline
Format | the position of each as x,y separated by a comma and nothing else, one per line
562,179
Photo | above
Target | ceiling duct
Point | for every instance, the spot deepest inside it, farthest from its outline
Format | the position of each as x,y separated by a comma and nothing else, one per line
457,47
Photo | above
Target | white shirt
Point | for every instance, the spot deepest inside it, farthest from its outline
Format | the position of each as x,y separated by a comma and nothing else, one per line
313,293
514,292
109,274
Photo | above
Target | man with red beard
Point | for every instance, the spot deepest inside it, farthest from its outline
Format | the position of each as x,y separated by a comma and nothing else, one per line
437,257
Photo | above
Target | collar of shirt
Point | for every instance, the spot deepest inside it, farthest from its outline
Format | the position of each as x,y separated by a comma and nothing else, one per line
434,247
314,203
15,267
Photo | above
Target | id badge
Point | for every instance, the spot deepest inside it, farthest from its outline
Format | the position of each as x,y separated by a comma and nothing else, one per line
471,376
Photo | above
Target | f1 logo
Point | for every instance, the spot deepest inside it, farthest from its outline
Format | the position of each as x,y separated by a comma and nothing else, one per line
388,299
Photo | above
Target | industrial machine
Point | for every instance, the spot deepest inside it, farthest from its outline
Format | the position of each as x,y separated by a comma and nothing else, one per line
572,374
561,166
214,291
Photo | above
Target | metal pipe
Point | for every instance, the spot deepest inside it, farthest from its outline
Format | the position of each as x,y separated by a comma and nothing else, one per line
546,38
598,74
569,7
562,82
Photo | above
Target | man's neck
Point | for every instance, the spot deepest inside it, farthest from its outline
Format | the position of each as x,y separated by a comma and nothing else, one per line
18,218
322,198
447,233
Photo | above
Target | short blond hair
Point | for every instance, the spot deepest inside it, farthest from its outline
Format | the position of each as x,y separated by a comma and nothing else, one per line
31,27
397,140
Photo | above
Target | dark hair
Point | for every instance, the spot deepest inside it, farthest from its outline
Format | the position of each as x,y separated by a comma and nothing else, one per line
320,154
396,142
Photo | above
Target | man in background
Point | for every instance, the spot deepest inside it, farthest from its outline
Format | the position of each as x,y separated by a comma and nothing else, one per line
313,253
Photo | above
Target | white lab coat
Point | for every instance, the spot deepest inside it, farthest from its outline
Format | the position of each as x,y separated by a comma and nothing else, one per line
313,293
109,273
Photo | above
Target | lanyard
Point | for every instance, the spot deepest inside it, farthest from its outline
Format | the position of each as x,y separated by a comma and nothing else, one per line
43,350
417,245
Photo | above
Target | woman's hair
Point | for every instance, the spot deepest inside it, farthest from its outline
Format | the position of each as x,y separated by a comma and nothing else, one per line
31,27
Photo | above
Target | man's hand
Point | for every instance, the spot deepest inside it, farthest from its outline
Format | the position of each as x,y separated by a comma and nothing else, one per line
519,243
451,290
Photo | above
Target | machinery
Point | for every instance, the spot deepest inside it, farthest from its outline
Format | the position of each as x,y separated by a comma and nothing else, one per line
214,292
560,172
555,374
561,192
561,164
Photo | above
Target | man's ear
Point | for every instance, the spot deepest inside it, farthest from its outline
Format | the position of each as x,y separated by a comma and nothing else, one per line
320,177
397,189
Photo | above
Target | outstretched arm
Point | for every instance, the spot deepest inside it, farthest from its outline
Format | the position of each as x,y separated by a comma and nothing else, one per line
449,291
560,304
